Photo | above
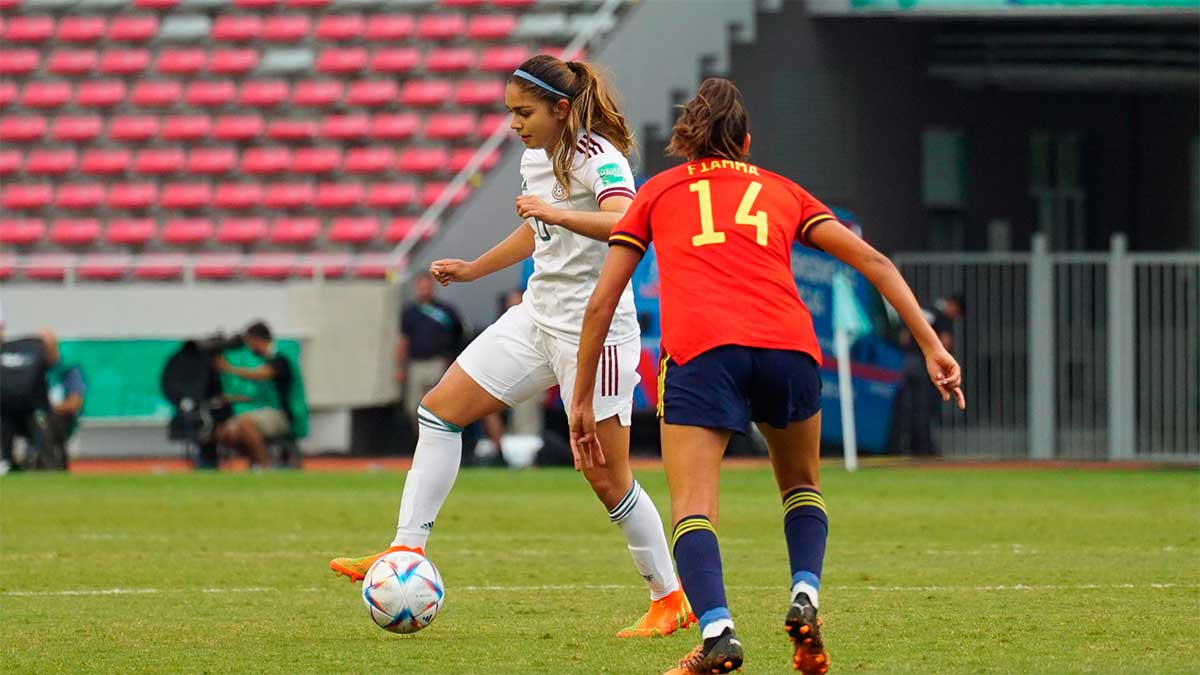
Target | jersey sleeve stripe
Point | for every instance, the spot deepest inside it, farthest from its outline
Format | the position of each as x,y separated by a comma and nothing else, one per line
614,192
626,240
813,220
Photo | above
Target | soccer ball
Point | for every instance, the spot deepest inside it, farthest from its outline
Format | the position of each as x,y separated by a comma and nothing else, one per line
403,592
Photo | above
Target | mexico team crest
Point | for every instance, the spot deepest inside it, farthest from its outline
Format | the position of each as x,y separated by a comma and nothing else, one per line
559,192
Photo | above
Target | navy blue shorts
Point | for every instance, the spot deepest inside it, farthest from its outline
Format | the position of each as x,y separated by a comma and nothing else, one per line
730,386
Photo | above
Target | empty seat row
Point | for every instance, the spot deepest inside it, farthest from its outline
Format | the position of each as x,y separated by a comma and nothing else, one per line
217,5
204,266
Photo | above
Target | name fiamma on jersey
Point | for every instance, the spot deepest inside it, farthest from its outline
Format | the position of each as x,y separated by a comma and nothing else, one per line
705,166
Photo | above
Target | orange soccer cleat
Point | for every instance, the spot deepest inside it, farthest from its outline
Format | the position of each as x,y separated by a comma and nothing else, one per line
722,654
664,617
356,568
802,625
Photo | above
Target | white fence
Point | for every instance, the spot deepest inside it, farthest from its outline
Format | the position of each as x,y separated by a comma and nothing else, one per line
1071,355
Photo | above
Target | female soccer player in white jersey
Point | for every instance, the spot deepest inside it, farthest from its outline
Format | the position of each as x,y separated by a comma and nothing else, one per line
577,184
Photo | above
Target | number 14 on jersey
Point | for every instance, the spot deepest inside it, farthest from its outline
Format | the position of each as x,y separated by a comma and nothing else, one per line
708,232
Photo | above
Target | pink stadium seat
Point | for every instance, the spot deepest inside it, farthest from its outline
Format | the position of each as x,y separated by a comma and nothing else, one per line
100,93
76,127
266,160
18,61
158,161
459,159
390,195
75,231
374,266
22,128
210,93
156,4
21,231
132,27
8,265
514,4
242,231
270,265
480,92
186,127
395,60
26,196
372,92
344,127
81,28
375,159
286,27
431,191
291,130
8,93
317,93
79,196
450,126
124,61
185,196
503,59
105,161
130,231
441,26
211,161
30,28
422,160
489,123
425,92
157,93
181,61
467,4
10,161
238,196
295,230
132,196
353,230
390,27
450,59
237,27
326,265
255,4
307,4
341,59
102,266
237,127
50,161
263,93
336,27
233,61
159,267
45,93
133,127
216,266
288,195
187,231
399,228
316,160
72,61
338,195
491,26
47,266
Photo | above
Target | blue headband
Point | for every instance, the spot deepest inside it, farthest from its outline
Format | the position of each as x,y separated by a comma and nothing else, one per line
526,76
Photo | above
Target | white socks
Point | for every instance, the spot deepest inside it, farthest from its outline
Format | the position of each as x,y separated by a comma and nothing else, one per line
434,468
715,628
801,587
643,530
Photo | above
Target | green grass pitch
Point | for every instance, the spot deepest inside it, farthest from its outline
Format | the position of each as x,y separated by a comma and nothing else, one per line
928,571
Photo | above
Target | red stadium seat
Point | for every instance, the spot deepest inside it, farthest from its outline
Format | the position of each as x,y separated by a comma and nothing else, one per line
390,195
291,130
491,26
422,160
22,128
132,196
21,231
157,93
466,4
307,4
242,231
489,123
338,195
8,93
187,231
395,60
257,93
399,228
30,28
425,92
45,94
324,265
256,4
372,92
210,93
211,161
288,195
450,126
335,27
441,26
181,61
316,160
237,127
295,230
100,93
130,231
216,266
375,159
124,61
342,60
353,230
132,27
10,161
238,195
503,59
233,61
158,161
75,128
514,4
266,160
102,266
459,159
156,4
479,92
48,266
237,27
26,196
50,161
286,27
450,60
105,161
158,266
85,28
79,196
133,127
270,265
374,266
432,191
72,61
317,93
186,127
344,127
18,61
390,27
75,231
185,196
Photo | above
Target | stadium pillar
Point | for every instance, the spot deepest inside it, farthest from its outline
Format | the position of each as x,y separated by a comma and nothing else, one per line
1121,378
1041,351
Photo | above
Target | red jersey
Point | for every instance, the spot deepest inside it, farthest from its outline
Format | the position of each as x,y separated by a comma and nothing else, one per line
723,234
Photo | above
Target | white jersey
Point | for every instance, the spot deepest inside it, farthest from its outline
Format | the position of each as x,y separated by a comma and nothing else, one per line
567,265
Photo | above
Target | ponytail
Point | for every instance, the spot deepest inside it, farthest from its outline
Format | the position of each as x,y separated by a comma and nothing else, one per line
713,124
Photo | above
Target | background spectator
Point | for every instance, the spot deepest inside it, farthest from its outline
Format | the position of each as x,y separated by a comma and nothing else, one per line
269,416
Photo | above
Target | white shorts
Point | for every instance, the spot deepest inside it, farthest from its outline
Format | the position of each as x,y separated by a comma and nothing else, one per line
515,360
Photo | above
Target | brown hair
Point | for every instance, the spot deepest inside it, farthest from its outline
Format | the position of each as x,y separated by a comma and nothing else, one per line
713,124
593,107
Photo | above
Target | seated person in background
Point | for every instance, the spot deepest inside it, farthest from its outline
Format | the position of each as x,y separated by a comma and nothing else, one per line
67,388
249,431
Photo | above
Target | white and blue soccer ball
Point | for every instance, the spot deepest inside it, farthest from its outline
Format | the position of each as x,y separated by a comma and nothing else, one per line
403,592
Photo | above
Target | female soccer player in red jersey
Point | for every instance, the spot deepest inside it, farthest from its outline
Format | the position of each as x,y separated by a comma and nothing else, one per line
738,347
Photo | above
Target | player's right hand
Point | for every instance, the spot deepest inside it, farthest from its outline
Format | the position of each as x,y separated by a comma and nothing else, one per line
585,443
946,376
452,270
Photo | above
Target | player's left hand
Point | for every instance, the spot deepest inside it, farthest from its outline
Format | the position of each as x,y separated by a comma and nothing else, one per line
529,206
585,444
